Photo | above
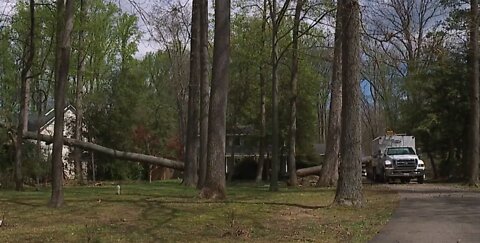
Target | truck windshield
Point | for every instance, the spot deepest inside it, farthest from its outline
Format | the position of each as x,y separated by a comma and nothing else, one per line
400,151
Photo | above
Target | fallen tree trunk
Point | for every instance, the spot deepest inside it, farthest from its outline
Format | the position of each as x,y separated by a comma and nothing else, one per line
315,170
112,152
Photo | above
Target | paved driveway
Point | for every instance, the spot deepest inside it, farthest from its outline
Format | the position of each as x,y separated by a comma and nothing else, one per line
433,213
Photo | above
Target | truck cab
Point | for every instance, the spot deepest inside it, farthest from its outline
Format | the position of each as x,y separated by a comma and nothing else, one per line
395,157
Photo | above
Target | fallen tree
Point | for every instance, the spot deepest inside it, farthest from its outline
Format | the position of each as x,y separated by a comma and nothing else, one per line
112,152
315,170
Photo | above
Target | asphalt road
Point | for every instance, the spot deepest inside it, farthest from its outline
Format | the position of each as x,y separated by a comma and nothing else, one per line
433,213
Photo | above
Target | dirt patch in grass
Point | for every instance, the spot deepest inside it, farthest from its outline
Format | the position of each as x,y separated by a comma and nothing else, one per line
169,212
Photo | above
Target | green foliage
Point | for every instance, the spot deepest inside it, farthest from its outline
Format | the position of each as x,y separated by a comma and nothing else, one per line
437,114
251,49
134,113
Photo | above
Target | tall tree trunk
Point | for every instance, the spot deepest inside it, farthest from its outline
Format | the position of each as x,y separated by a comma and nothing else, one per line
94,171
349,188
215,180
204,96
77,152
474,97
275,126
38,145
292,168
263,121
191,155
24,99
263,127
231,162
329,172
276,19
64,28
434,166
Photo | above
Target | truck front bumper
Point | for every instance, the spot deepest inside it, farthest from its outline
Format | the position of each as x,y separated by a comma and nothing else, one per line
404,173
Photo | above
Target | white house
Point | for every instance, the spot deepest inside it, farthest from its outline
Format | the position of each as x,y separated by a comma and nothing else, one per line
46,124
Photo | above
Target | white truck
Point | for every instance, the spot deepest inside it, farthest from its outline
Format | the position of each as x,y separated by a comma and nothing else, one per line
395,157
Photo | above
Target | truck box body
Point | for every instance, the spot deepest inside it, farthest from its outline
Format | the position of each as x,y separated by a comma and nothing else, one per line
379,144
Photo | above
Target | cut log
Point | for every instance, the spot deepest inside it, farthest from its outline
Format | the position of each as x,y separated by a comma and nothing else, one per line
315,170
112,152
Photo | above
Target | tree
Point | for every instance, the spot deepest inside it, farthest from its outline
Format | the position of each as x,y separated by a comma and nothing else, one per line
329,171
474,149
349,188
191,151
215,180
62,59
396,36
276,19
24,99
204,94
293,100
170,20
263,120
77,153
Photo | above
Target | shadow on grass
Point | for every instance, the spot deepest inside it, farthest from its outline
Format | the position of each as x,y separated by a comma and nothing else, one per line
241,202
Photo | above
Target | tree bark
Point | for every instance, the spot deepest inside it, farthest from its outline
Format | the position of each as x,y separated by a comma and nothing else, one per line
292,168
275,125
263,122
77,152
135,157
204,93
329,172
191,155
24,99
434,166
65,13
276,19
215,180
231,162
349,188
474,97
309,171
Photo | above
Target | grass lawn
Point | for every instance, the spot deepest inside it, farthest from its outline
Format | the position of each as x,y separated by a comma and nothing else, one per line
168,212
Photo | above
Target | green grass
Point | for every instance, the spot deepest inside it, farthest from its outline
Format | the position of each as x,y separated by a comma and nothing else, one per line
168,212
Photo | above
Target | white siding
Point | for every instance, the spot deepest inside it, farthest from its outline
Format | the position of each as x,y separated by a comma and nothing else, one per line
68,164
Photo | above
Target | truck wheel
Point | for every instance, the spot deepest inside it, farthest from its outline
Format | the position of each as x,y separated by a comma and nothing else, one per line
420,179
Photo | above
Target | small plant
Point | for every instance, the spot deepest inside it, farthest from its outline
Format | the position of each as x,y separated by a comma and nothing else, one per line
235,230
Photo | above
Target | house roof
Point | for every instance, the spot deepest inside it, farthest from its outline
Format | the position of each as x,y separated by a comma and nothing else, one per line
35,122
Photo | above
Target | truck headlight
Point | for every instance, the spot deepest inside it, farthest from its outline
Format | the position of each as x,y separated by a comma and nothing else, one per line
421,165
388,162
